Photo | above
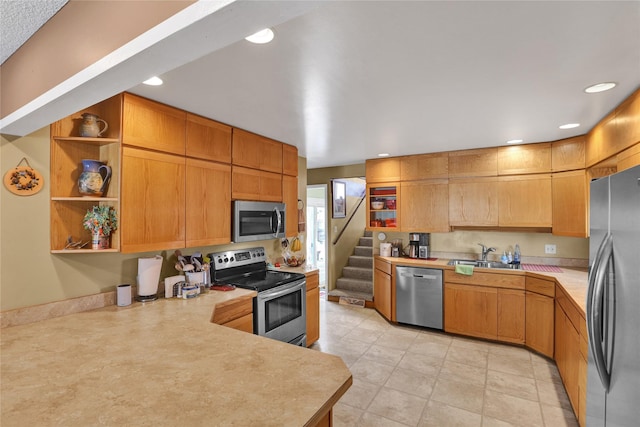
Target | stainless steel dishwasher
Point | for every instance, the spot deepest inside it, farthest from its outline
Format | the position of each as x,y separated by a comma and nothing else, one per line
419,296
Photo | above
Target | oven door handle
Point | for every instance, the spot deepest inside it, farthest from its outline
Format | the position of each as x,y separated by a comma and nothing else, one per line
270,295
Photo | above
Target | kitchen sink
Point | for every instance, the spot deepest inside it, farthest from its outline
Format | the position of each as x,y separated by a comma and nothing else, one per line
484,264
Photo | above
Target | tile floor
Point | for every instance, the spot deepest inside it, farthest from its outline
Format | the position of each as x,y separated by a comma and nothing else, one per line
405,376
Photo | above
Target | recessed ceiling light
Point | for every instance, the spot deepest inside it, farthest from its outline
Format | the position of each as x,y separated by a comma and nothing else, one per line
261,37
383,155
600,87
569,126
153,81
514,141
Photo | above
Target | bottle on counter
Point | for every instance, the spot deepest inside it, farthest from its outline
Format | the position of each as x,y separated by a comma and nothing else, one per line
516,255
504,258
510,257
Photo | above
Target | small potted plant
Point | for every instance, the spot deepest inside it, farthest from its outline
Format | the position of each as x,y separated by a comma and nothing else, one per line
101,221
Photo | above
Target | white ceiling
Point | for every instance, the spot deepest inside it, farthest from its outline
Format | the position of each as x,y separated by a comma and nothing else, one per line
350,79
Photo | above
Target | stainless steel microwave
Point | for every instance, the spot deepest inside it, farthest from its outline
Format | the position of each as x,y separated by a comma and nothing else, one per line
258,221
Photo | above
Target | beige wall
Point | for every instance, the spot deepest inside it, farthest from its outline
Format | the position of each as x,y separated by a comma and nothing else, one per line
570,250
338,254
31,275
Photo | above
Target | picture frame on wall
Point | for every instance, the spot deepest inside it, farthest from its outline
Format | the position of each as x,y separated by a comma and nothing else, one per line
339,198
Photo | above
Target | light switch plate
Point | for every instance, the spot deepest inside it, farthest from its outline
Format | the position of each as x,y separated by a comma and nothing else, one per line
549,249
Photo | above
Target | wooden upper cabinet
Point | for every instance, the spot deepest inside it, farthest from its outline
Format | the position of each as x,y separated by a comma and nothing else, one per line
568,154
473,201
383,170
290,198
152,213
467,163
254,184
424,166
424,206
257,152
149,124
524,159
570,196
628,122
207,139
289,160
525,201
208,203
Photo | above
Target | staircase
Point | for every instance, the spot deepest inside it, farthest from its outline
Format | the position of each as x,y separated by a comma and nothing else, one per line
357,275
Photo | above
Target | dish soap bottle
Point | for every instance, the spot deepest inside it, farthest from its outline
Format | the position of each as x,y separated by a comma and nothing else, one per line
504,258
516,255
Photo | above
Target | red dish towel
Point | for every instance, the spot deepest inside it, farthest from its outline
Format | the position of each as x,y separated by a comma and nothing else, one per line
541,267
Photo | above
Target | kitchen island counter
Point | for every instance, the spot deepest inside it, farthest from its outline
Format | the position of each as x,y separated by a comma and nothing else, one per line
161,363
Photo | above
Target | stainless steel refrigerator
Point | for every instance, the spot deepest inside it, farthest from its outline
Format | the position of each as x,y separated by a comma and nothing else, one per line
613,301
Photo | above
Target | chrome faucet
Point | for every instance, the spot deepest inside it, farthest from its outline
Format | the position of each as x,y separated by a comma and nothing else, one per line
485,251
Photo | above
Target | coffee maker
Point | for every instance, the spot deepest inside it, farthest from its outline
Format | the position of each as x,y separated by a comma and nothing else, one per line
414,245
423,245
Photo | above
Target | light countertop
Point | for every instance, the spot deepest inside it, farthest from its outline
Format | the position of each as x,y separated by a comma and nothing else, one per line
572,280
161,363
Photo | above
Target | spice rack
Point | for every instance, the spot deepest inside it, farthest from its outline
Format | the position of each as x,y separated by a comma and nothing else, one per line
68,206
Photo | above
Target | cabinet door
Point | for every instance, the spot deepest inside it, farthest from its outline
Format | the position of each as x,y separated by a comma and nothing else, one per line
245,183
424,206
568,154
473,202
313,307
524,159
524,201
208,203
153,201
290,198
382,293
207,139
539,323
480,162
382,170
149,124
569,191
255,151
289,160
471,310
424,166
511,312
567,354
382,206
271,187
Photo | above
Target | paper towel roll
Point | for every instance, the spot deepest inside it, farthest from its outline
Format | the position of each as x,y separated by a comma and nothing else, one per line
148,277
385,249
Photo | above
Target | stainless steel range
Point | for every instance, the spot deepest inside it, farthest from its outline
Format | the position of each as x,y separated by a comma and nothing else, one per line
279,310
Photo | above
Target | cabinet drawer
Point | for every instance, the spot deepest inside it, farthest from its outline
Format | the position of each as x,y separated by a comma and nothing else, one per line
511,281
569,308
232,310
383,265
541,286
244,323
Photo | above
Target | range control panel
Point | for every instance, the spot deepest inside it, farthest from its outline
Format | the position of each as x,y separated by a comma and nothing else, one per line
237,258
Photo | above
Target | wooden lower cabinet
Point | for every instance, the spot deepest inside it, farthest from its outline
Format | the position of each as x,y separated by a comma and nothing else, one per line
313,307
152,211
236,314
382,294
485,305
567,355
471,310
539,314
511,316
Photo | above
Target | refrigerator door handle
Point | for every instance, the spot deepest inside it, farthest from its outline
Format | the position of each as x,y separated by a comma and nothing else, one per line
595,318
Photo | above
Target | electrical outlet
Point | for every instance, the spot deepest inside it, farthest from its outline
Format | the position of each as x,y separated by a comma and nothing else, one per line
549,249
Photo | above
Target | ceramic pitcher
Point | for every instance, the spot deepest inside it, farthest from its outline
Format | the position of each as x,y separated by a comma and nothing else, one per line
94,179
89,126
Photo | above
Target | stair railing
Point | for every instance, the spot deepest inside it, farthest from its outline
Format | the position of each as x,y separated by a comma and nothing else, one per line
362,197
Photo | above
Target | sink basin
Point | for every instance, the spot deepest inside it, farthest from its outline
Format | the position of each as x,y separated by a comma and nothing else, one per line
484,264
